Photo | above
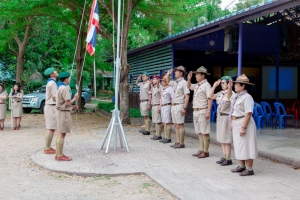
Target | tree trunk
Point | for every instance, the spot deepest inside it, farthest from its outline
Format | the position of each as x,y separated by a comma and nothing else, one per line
20,60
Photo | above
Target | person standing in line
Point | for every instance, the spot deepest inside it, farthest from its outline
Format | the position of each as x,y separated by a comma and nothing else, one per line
50,109
144,100
180,101
243,127
165,108
64,107
224,135
202,106
155,90
16,105
3,97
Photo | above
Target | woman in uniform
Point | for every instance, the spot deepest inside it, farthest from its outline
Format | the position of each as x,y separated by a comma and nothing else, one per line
16,105
224,135
3,97
243,127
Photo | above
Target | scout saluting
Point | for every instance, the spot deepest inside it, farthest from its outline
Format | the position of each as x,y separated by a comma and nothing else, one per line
15,105
165,107
224,135
50,109
180,102
202,106
3,97
154,98
243,126
144,100
64,106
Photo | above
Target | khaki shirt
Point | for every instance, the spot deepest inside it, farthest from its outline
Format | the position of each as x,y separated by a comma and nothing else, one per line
223,101
3,94
144,90
201,94
51,89
180,90
167,95
244,104
63,94
156,94
19,94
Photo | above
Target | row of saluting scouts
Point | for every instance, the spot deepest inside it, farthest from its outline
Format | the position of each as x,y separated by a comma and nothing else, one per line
235,124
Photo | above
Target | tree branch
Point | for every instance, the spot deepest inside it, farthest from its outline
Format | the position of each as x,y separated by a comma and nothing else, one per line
109,12
13,51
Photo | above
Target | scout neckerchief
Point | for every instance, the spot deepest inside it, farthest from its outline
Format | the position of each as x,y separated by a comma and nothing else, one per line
198,84
219,100
233,102
63,84
175,88
14,93
141,88
51,79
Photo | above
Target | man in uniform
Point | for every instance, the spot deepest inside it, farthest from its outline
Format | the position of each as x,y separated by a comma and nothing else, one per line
50,109
144,100
180,101
64,107
202,106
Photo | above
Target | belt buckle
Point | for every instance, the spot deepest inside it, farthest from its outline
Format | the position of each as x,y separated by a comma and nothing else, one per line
233,118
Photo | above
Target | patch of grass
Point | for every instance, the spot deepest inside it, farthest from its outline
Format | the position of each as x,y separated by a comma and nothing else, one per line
146,185
94,101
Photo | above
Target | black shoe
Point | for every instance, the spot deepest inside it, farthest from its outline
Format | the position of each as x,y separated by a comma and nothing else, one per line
238,169
154,137
146,133
162,140
226,162
142,130
167,141
247,173
221,160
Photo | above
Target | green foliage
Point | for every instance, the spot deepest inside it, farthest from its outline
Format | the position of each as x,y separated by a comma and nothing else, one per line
242,4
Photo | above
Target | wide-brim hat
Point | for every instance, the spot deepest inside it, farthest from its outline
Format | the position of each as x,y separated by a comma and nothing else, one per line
202,70
64,75
180,68
49,71
243,79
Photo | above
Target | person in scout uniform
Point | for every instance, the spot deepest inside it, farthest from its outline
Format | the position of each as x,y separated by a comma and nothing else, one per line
165,107
144,100
224,135
50,109
180,101
202,106
155,90
243,127
15,105
3,97
64,107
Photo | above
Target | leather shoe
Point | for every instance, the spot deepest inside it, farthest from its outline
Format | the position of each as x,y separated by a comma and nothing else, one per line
50,151
197,154
153,138
226,162
167,141
176,143
1,128
204,155
238,169
142,130
146,133
220,161
247,173
162,140
63,158
179,146
158,138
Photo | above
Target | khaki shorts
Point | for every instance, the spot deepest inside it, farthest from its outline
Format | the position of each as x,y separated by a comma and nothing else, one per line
166,114
177,118
156,117
200,124
50,117
63,121
143,109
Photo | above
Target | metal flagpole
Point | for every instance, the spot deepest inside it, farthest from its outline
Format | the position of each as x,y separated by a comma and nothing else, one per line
11,116
115,122
95,85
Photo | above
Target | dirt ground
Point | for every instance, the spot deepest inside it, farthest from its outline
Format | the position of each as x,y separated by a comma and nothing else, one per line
20,178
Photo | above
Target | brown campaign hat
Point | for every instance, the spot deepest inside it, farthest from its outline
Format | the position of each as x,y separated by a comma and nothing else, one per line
180,68
202,69
243,79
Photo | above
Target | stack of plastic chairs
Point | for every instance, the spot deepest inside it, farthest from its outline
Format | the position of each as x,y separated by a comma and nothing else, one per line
261,117
213,111
268,111
281,115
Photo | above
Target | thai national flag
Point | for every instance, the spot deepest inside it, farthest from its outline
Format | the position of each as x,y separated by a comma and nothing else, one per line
93,28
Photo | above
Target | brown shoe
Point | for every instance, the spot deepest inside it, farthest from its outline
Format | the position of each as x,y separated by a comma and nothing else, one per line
50,151
197,154
153,138
226,162
204,155
238,169
221,160
175,144
158,138
179,146
63,158
1,128
247,173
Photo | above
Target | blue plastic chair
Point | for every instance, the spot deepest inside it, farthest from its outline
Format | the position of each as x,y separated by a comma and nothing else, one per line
260,116
281,115
213,112
268,111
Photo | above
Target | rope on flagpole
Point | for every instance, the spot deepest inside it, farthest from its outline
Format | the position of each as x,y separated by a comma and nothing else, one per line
113,44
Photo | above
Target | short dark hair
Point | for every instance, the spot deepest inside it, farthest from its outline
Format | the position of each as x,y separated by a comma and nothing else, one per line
63,79
247,87
205,75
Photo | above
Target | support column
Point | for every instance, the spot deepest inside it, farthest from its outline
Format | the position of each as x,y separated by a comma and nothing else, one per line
277,73
173,60
240,50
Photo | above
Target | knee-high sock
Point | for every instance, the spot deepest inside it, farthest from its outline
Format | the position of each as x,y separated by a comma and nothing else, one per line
169,131
159,128
182,135
60,146
201,140
166,131
147,125
48,140
206,140
177,135
156,129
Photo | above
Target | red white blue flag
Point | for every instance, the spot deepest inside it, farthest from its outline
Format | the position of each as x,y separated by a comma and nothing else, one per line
93,28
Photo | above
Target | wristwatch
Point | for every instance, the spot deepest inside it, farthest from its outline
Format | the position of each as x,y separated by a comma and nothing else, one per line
243,127
184,108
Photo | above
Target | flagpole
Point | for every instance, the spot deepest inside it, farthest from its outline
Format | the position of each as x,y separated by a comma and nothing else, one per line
95,85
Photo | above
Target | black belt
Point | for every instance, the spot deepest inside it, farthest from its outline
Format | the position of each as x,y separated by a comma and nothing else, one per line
222,114
175,104
155,105
63,110
16,101
143,100
51,104
167,104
